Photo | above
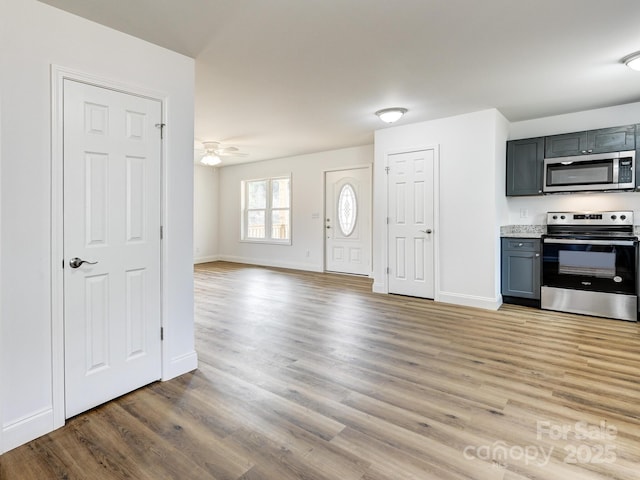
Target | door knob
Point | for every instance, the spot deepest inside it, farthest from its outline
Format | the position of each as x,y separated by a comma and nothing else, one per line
428,230
75,262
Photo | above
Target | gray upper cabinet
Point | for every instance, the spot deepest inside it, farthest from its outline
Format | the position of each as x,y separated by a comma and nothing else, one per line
565,145
603,140
616,139
524,166
638,156
525,158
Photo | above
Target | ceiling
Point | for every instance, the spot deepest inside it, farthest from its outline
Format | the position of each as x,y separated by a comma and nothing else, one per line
278,78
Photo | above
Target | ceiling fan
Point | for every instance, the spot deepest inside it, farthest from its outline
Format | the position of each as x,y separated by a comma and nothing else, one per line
214,152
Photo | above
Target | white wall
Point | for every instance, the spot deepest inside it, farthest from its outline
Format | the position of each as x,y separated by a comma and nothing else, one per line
536,207
2,21
307,184
33,36
206,203
471,209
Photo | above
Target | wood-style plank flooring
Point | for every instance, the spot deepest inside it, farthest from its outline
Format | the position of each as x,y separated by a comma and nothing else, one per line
312,376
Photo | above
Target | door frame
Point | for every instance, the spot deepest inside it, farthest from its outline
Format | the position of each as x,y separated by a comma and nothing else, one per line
436,216
58,75
369,167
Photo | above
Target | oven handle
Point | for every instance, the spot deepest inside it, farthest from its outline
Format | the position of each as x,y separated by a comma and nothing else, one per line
626,243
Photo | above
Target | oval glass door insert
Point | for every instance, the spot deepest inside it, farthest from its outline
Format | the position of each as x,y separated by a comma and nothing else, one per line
347,209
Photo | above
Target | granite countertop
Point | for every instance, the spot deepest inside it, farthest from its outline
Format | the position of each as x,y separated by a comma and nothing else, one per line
523,231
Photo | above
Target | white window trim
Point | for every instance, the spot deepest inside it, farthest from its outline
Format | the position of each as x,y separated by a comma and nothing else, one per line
268,210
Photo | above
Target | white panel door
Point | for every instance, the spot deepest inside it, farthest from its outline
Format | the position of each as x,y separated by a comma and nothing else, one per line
348,221
112,174
410,228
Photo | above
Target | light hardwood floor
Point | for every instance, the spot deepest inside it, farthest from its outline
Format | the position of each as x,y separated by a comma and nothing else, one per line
311,376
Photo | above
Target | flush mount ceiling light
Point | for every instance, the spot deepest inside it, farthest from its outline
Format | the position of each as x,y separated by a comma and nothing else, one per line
390,115
632,61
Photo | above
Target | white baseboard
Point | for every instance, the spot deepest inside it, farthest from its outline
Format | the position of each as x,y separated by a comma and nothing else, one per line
206,259
309,267
470,300
39,423
180,365
455,298
26,429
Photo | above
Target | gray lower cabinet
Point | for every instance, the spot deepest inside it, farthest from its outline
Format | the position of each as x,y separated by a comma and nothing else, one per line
521,263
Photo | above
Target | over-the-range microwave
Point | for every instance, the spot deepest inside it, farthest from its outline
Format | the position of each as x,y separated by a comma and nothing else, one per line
601,171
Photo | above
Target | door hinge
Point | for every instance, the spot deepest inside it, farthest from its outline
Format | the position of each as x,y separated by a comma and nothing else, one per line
63,263
161,127
387,220
386,169
161,232
388,270
161,333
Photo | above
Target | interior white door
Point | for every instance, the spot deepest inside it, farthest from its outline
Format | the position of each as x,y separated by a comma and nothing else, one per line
410,229
112,198
348,221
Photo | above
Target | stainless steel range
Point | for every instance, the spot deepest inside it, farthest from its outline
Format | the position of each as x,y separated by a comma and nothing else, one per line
590,263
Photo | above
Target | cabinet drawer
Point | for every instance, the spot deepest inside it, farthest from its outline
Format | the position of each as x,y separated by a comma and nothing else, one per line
521,244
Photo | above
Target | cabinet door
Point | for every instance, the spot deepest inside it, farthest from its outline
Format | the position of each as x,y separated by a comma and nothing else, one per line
565,145
521,274
524,166
613,139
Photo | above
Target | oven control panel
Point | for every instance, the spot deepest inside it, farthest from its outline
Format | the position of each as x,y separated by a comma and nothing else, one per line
622,217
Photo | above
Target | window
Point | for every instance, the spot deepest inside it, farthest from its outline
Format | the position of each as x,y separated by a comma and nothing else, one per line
347,210
266,211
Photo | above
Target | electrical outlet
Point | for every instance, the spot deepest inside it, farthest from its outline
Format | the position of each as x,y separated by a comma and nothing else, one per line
524,213
308,253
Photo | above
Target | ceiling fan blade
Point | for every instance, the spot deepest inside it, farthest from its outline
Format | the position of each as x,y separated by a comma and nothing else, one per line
219,150
232,154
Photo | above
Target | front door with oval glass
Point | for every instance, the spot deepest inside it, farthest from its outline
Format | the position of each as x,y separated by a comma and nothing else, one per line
347,221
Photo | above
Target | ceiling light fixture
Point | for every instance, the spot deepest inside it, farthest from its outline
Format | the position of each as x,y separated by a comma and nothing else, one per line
210,158
632,61
390,115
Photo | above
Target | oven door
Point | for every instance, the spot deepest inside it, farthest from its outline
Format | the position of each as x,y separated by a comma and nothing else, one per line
594,265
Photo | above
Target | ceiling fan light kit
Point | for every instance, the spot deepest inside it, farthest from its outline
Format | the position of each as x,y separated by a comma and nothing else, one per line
210,160
390,115
214,151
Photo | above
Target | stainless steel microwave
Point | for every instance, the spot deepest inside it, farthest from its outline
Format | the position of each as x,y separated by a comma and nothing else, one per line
601,171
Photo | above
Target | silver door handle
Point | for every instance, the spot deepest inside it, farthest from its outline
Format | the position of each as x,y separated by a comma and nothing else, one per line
427,231
75,262
575,241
